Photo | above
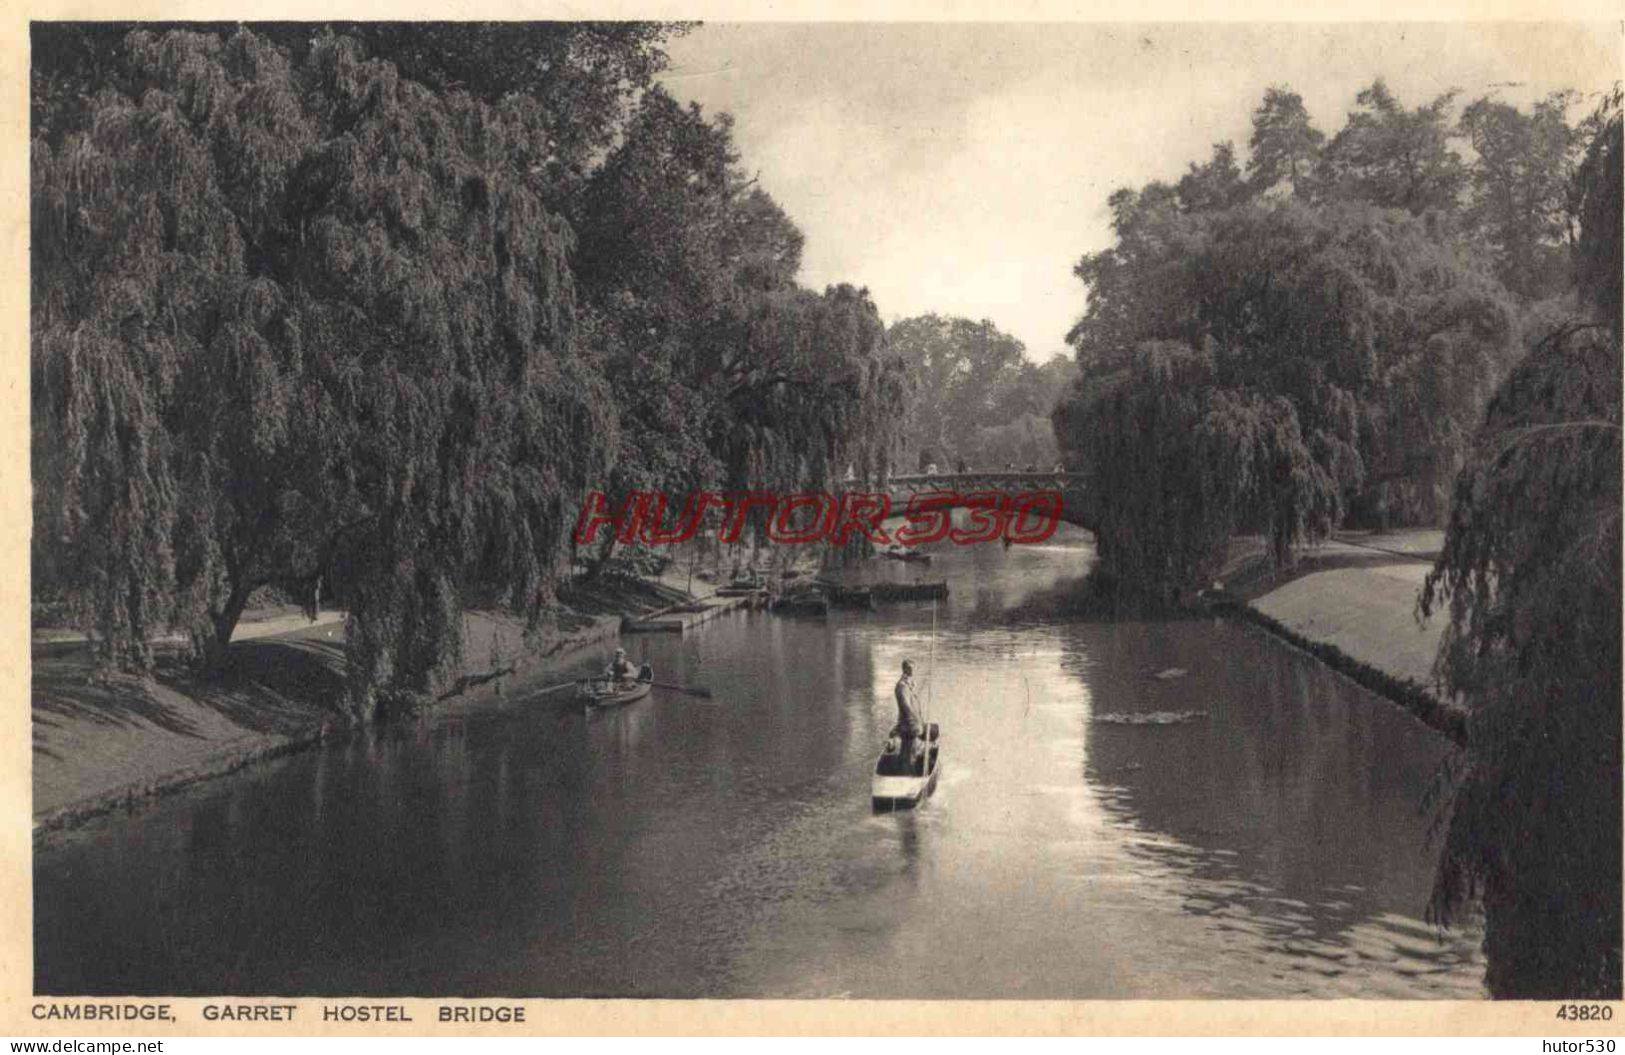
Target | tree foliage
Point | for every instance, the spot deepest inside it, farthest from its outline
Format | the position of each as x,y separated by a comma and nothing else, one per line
1530,579
1180,463
1520,186
1218,184
1344,353
1285,146
1347,278
1395,157
974,394
729,372
836,400
586,75
332,317
311,309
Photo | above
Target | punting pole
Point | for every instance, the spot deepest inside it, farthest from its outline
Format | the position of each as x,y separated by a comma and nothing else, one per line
931,688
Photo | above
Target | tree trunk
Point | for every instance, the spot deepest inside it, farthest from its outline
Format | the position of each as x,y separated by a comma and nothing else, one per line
596,565
225,622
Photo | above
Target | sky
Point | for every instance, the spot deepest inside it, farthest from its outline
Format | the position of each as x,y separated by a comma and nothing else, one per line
964,168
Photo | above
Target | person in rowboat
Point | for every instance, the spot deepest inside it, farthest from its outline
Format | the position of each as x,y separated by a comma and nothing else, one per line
908,718
620,670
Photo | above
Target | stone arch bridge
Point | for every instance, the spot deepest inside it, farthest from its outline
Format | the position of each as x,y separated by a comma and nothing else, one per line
1076,509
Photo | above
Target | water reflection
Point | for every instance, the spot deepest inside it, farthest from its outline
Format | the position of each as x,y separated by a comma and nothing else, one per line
1280,827
1269,847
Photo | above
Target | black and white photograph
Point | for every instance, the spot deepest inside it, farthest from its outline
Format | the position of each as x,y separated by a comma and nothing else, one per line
821,511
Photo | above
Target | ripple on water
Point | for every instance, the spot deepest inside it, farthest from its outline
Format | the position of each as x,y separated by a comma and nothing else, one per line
1149,718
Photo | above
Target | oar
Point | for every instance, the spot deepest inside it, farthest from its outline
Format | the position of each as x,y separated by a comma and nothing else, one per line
704,694
560,685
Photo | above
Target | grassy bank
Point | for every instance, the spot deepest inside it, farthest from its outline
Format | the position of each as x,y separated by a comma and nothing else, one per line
104,741
1351,603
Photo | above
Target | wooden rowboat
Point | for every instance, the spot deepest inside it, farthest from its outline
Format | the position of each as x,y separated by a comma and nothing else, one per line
902,784
603,693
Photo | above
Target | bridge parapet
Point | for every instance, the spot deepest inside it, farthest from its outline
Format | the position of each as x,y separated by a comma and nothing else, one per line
992,481
1076,508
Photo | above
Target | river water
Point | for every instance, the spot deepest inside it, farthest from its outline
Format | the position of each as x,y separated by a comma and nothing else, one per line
1263,837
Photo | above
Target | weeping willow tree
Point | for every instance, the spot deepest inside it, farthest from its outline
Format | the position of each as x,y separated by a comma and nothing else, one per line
1530,579
440,286
302,324
728,373
1268,367
139,273
824,394
876,426
1182,463
302,320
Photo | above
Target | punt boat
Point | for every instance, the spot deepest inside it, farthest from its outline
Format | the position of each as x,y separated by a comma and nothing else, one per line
902,784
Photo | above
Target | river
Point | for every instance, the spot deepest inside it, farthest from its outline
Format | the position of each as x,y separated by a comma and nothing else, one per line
1264,839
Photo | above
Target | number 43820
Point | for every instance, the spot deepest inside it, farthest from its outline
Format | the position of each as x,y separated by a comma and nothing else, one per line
1585,1012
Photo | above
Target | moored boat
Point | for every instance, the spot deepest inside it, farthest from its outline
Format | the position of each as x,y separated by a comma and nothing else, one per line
849,596
604,693
805,602
902,784
909,591
753,580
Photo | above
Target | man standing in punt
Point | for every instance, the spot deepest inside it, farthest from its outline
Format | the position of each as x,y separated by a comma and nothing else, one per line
908,718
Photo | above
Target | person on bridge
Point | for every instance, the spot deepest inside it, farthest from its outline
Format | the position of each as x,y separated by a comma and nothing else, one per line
909,727
962,467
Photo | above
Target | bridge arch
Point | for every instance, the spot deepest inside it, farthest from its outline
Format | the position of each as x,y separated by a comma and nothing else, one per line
1075,506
